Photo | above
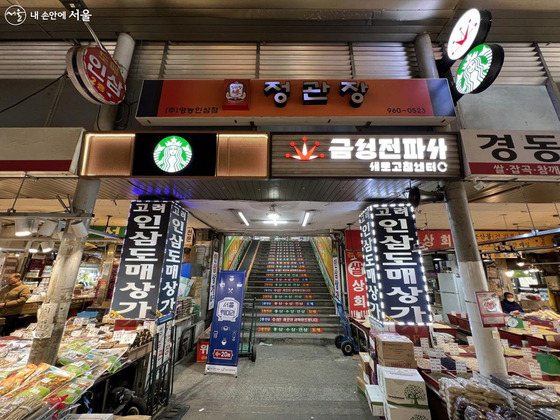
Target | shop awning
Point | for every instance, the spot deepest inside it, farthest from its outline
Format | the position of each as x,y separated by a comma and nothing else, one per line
40,152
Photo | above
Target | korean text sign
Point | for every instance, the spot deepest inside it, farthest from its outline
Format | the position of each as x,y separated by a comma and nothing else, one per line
356,279
396,285
502,155
148,276
226,323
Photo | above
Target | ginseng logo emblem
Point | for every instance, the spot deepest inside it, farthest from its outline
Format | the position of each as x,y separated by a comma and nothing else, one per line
172,154
304,153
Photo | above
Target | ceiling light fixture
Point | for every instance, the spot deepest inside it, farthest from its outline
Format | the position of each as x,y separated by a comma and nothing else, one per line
520,261
79,229
33,248
437,257
47,246
272,213
275,222
243,218
23,227
509,273
478,184
48,227
486,258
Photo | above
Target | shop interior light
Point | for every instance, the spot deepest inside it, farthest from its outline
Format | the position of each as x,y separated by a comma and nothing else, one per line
275,222
306,218
33,248
79,229
48,228
509,273
533,269
272,213
520,261
47,246
486,258
437,257
23,227
243,218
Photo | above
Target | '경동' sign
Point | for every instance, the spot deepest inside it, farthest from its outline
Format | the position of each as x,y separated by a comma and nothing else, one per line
396,285
148,277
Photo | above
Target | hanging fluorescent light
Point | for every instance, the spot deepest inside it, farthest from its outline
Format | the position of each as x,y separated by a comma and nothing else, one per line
437,257
273,214
47,246
33,248
306,218
48,227
275,222
243,218
509,273
23,227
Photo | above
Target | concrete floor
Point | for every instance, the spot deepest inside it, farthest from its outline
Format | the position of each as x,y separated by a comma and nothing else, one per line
287,381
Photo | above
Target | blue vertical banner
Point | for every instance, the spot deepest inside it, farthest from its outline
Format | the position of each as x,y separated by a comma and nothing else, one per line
394,271
223,352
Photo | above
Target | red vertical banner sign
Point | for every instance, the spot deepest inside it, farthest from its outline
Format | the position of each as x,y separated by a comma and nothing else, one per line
356,285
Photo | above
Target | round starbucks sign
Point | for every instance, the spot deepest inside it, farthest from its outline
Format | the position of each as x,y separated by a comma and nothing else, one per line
479,68
172,154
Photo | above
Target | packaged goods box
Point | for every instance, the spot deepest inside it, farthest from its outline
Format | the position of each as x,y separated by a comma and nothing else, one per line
365,375
406,364
395,347
361,384
393,412
403,387
374,397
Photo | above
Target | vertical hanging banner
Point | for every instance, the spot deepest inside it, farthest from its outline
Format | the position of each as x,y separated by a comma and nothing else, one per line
336,279
226,323
356,285
173,257
372,288
152,248
394,265
213,279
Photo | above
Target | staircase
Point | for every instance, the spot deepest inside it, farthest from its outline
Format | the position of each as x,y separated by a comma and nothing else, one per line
293,302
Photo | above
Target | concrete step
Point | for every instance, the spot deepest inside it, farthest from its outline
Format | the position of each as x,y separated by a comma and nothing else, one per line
289,296
297,329
294,320
302,304
294,288
275,311
322,339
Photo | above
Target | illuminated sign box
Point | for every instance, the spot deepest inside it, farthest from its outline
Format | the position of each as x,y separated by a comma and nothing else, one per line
366,156
396,285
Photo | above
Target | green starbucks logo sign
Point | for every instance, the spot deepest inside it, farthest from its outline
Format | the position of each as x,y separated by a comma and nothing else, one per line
172,154
474,68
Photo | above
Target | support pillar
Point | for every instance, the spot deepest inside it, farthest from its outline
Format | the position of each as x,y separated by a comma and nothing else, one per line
425,57
54,310
488,350
123,56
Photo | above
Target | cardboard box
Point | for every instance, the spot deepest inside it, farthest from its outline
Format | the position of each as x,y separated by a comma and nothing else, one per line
374,397
364,358
403,387
361,384
393,412
364,374
396,347
406,364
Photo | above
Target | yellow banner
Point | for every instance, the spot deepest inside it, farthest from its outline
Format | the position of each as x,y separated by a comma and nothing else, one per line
324,247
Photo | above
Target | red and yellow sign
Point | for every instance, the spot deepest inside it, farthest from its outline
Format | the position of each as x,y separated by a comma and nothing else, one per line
441,239
419,101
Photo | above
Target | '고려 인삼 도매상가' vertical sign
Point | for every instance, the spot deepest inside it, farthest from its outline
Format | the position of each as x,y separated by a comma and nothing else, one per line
148,277
396,285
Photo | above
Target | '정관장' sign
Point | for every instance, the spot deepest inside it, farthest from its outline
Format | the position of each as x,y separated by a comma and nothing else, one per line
226,323
356,285
396,285
148,276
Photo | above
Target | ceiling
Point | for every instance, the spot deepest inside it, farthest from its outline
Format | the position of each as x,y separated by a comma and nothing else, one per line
289,20
335,203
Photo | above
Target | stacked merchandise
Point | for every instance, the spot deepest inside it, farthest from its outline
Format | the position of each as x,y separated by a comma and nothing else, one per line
527,401
185,307
548,414
87,352
395,351
364,372
404,394
467,398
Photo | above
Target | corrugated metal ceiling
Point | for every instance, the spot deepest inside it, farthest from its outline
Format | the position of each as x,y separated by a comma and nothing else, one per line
291,20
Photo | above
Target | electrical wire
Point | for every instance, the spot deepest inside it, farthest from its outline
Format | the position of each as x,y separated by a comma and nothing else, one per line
34,93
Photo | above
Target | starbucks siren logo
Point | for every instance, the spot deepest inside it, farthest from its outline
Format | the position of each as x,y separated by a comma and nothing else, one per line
172,154
473,69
